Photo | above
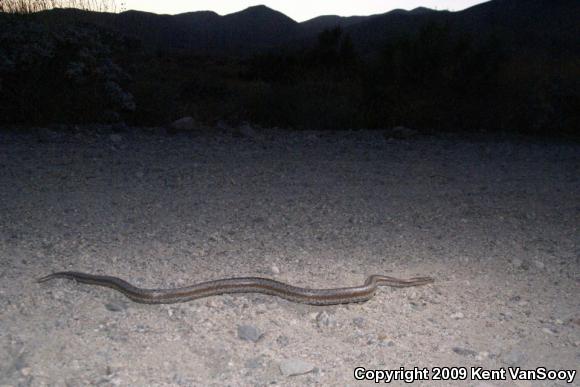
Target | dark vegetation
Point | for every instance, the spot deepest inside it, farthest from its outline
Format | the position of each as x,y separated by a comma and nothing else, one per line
509,66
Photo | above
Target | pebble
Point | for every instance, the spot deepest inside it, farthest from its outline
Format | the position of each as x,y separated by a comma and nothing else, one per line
312,137
116,138
325,320
249,333
514,358
247,131
26,371
359,322
211,303
386,343
371,339
57,294
275,269
116,306
506,315
539,264
293,367
464,351
254,363
457,316
185,123
283,341
549,331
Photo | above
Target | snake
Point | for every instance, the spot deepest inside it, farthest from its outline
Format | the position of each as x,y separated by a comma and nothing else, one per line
243,285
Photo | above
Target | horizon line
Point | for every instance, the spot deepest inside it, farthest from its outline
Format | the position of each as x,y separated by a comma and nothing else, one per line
275,10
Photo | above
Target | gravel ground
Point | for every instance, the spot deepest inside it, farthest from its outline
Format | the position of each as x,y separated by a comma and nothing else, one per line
494,220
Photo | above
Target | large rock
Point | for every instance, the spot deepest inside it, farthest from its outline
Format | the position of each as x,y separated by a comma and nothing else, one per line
185,124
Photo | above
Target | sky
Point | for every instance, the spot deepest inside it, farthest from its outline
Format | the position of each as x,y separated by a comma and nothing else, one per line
298,10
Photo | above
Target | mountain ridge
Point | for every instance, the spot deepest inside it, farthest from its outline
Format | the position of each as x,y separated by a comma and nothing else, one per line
257,28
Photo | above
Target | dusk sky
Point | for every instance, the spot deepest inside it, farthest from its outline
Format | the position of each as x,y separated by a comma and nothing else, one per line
298,10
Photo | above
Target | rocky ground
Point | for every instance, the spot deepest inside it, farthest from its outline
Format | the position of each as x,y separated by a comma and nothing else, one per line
494,220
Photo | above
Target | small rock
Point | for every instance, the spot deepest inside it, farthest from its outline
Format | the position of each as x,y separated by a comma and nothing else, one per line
514,358
370,339
457,316
539,264
464,351
312,137
283,341
358,322
116,306
25,371
386,343
254,363
417,305
211,303
116,138
185,123
325,320
293,367
275,269
249,333
549,331
505,315
247,131
57,294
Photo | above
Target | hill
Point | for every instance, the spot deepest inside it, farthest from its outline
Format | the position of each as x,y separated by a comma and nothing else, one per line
531,25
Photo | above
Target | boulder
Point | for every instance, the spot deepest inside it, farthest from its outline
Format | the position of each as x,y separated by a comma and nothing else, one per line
184,124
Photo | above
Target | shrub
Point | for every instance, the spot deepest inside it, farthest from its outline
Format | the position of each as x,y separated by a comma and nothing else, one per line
60,73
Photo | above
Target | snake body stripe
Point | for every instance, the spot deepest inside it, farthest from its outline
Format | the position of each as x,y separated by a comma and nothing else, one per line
243,285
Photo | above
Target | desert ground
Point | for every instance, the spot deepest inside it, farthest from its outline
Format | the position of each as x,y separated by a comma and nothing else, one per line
493,219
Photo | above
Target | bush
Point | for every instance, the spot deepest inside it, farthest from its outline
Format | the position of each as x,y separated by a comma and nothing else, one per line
60,73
